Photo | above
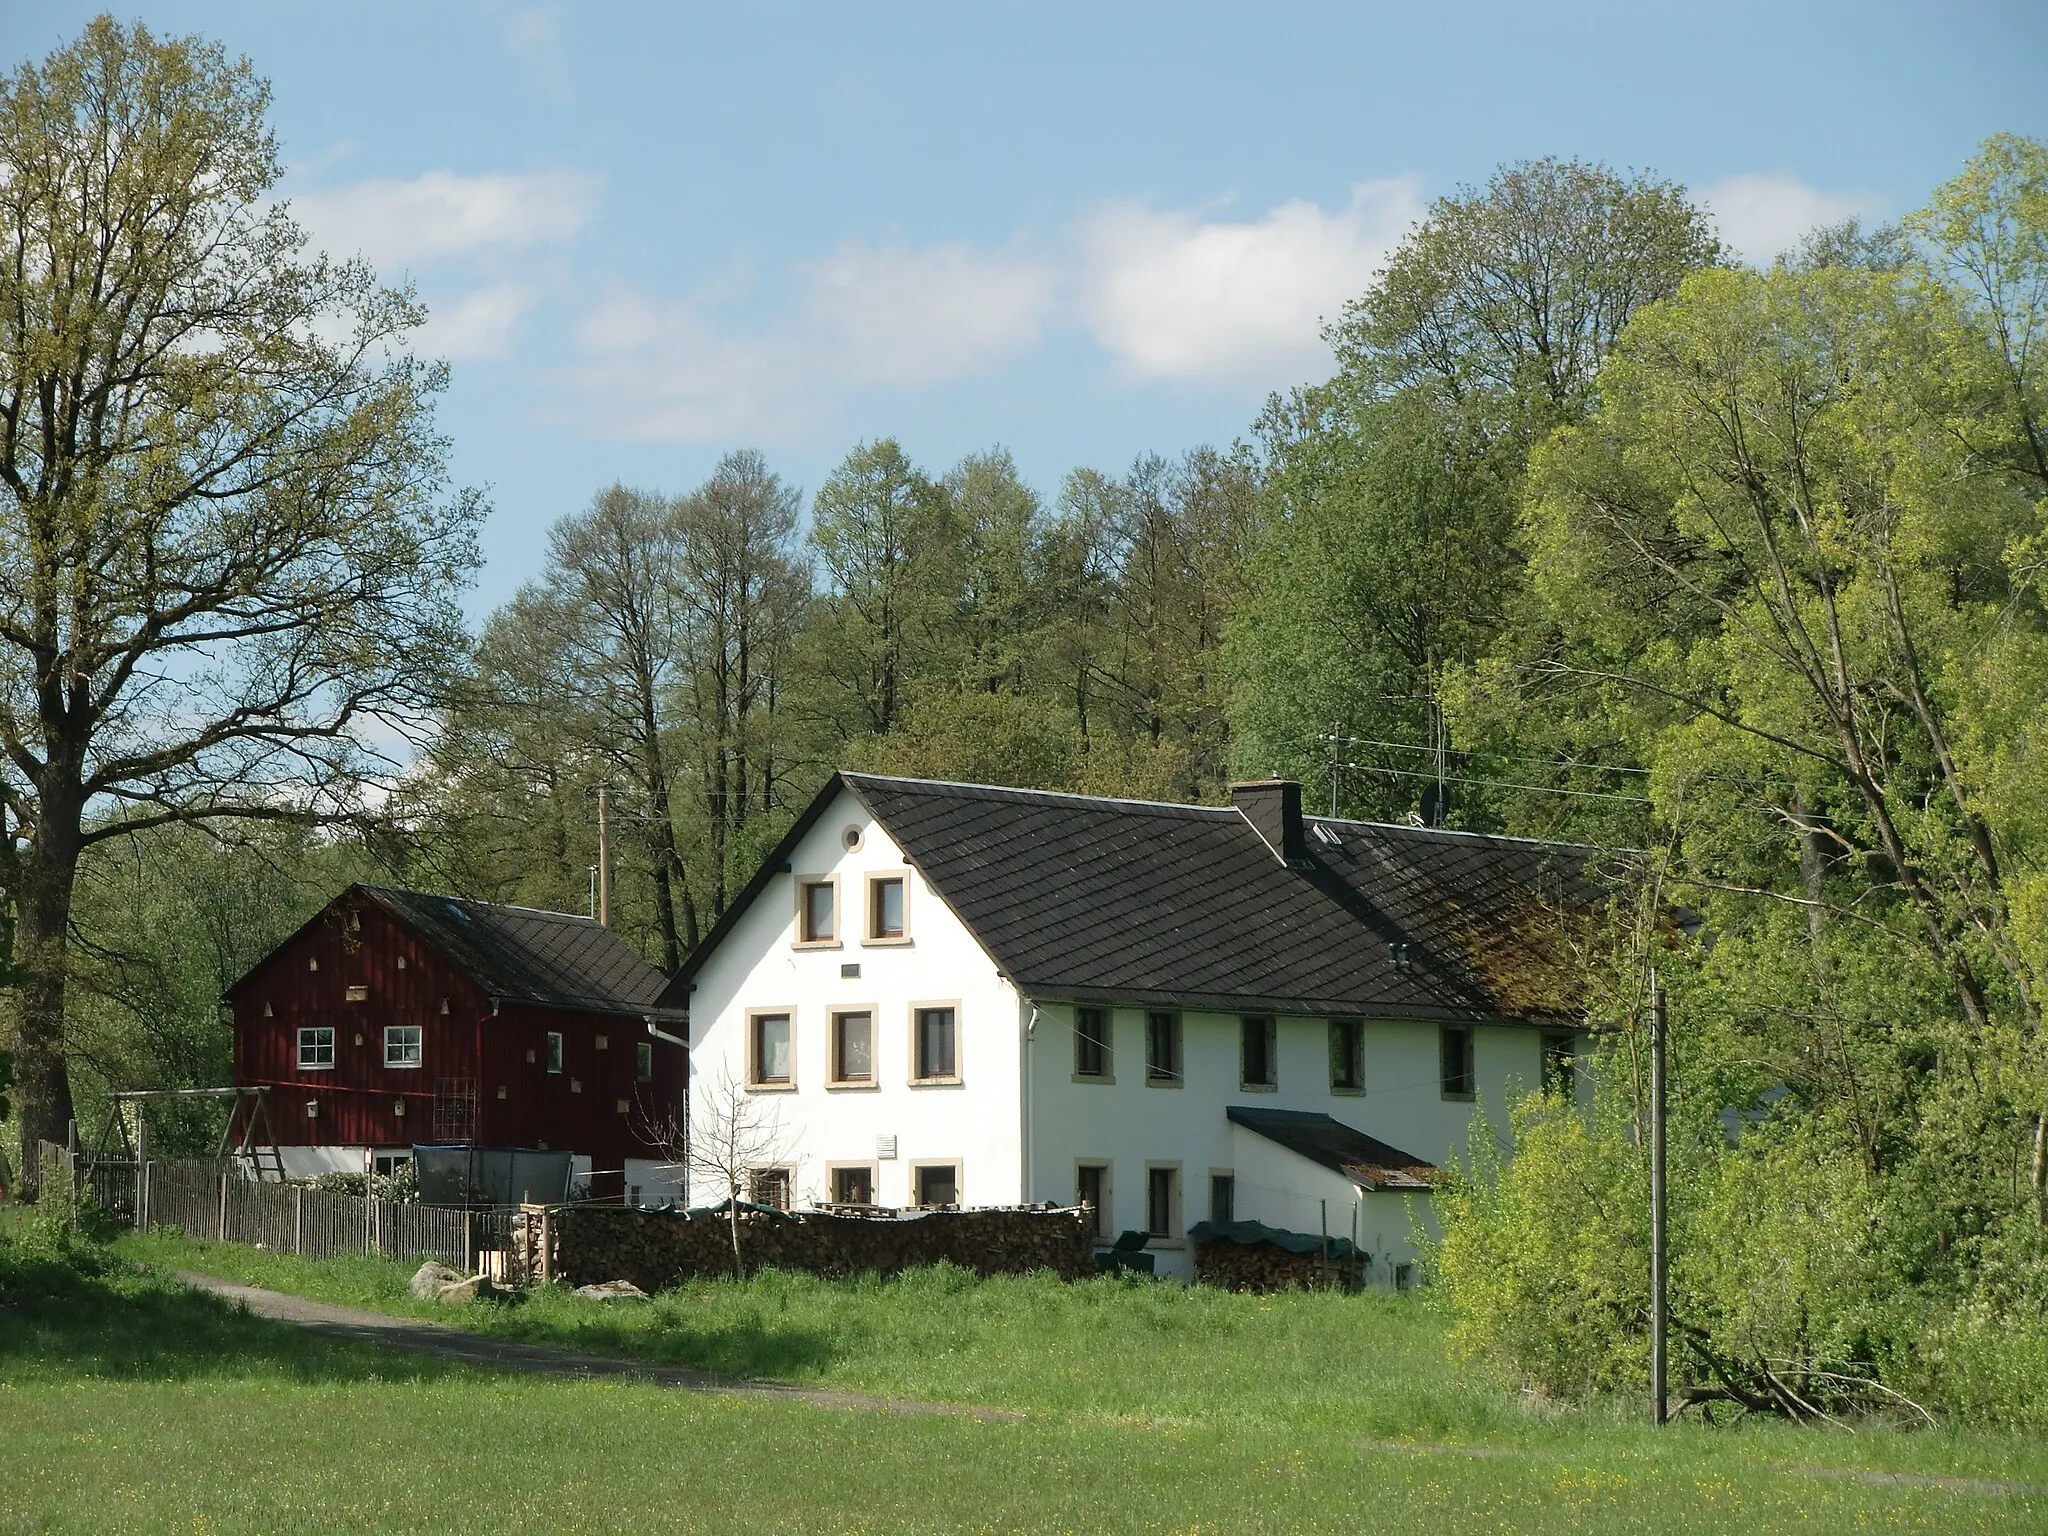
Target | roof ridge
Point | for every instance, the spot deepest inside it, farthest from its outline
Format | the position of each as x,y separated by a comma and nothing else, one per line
478,901
1485,837
1046,794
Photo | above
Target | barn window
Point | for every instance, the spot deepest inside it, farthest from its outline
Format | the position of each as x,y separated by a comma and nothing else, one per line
603,1042
554,1052
937,1046
643,1062
1456,1046
402,1045
356,994
1255,1065
316,1049
768,1053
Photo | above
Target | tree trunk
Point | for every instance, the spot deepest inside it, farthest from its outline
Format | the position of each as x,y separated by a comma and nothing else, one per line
48,873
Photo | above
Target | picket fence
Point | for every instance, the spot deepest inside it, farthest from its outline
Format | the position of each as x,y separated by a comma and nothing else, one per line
212,1200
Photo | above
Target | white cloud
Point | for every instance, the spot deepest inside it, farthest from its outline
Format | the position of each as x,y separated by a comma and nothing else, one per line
439,215
865,316
1761,216
920,315
478,324
1175,296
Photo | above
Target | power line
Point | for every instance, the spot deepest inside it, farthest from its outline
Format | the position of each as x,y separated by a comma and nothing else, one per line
1505,757
1534,789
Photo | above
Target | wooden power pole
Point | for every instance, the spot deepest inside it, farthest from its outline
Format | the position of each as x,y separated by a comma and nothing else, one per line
1660,1253
604,858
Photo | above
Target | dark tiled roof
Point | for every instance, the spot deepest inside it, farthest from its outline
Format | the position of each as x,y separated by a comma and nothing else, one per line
1337,1146
520,954
1127,901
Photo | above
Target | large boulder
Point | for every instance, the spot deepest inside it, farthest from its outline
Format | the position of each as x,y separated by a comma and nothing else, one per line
466,1290
612,1290
431,1277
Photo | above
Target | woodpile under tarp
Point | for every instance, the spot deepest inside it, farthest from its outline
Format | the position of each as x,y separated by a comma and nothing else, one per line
589,1244
1250,1256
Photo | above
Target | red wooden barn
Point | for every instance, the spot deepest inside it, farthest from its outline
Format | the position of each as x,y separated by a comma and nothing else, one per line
395,1018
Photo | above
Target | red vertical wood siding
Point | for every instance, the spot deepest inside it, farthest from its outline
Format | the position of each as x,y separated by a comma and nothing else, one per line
355,942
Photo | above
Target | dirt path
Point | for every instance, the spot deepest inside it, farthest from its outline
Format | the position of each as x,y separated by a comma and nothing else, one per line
386,1332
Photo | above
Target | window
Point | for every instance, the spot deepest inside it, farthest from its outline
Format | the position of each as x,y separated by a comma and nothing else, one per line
554,1052
385,1164
769,1061
885,907
936,1184
937,1050
853,1186
1091,1042
316,1049
1457,1062
816,919
643,1062
1255,1051
1162,1202
1560,1071
769,1186
1347,1055
402,1045
1222,1197
1162,1048
853,1047
1091,1188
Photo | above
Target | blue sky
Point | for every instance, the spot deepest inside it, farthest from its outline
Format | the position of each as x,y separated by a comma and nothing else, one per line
651,233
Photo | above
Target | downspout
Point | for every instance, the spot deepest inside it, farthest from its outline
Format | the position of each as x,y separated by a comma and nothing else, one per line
1024,1133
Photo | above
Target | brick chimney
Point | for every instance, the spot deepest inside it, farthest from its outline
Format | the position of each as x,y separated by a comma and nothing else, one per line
1273,807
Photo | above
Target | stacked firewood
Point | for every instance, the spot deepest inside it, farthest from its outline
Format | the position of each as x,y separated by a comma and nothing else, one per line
593,1243
1268,1267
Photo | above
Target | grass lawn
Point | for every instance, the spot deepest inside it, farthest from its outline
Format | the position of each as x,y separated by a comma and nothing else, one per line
127,1403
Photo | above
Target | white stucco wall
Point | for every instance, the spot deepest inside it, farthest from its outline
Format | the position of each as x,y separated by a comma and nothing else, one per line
976,1122
1132,1125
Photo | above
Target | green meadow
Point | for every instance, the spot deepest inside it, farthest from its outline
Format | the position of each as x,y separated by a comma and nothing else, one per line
131,1403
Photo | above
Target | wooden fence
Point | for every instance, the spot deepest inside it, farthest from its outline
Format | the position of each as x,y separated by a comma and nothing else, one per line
211,1199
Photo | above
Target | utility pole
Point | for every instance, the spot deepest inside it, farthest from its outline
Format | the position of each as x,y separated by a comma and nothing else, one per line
604,858
1660,1254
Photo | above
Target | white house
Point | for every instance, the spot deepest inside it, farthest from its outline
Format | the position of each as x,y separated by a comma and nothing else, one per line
959,994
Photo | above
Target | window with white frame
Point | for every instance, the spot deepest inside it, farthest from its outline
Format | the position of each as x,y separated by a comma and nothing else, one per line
554,1051
643,1062
403,1045
1162,1048
316,1048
